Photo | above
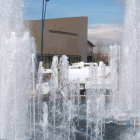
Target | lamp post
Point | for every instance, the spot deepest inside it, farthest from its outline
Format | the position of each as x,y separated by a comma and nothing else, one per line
44,5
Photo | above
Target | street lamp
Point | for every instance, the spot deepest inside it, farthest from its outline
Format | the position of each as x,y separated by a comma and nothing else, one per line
44,6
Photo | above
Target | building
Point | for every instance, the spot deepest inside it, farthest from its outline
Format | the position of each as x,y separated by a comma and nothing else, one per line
90,56
62,36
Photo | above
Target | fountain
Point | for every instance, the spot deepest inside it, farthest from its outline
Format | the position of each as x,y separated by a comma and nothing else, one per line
17,51
63,114
130,58
125,95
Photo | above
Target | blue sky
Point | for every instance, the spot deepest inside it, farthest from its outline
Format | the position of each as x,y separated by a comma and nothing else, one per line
98,11
102,14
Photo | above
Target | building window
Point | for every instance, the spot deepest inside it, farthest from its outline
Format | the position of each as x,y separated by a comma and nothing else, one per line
94,59
74,58
47,59
89,59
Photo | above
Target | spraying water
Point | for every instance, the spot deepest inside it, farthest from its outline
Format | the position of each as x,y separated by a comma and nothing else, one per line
16,71
23,115
129,69
125,89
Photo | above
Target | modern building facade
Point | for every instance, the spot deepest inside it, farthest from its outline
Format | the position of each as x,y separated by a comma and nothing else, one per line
61,36
90,56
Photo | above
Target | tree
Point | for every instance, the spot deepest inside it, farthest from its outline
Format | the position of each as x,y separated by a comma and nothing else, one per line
100,52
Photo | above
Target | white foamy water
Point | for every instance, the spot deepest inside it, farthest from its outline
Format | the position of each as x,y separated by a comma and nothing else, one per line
21,113
16,70
130,58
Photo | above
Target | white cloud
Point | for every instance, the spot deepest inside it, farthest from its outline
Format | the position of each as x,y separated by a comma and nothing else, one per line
109,33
